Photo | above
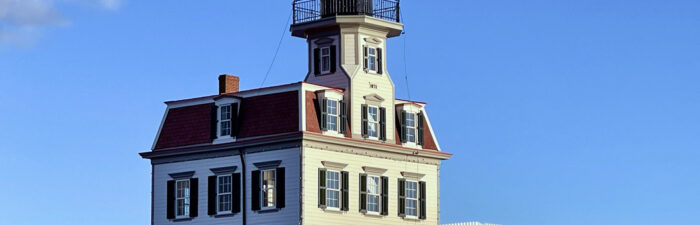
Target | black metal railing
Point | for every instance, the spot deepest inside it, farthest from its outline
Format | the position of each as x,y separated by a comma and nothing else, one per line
311,10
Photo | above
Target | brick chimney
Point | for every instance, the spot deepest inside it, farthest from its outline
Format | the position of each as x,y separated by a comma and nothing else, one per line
228,84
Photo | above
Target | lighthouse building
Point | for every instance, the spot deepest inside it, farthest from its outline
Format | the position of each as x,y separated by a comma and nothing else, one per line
336,148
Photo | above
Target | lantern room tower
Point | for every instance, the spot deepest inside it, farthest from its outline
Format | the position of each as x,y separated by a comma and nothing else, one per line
347,49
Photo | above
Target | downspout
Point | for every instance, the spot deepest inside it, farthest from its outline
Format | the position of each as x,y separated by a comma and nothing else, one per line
243,173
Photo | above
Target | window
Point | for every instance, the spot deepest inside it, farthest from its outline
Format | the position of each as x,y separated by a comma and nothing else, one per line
268,188
411,127
372,121
224,202
333,189
332,115
182,198
372,59
225,121
325,60
373,194
411,198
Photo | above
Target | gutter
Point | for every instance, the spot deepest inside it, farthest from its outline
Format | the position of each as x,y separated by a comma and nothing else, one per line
243,173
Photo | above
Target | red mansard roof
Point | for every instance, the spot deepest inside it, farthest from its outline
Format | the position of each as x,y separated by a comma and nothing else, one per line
259,116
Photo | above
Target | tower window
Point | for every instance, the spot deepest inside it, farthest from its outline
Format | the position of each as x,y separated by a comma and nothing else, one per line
372,121
332,116
225,121
411,127
372,59
325,60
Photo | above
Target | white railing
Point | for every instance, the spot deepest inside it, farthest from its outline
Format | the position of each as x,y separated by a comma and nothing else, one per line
470,223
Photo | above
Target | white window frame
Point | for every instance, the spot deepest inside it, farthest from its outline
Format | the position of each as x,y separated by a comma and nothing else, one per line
221,120
375,123
372,59
329,189
324,57
413,128
219,194
329,115
185,198
378,195
416,199
265,190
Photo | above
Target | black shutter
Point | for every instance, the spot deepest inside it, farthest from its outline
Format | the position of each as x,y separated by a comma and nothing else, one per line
234,119
211,193
171,200
366,61
317,61
333,59
279,187
324,113
194,197
420,128
345,189
364,120
343,117
363,193
379,61
403,126
322,188
236,192
402,197
214,122
382,124
255,186
385,196
422,200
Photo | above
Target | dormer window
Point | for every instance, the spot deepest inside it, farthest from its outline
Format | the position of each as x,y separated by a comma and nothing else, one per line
225,121
411,127
325,60
412,120
332,115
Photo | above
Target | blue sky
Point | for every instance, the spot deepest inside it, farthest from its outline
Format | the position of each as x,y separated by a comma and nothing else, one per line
558,112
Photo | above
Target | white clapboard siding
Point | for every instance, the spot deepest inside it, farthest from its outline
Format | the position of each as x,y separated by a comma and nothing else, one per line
290,213
313,215
201,168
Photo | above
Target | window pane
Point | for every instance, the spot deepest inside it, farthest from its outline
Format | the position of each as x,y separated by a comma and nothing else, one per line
268,188
225,112
332,199
372,112
372,129
373,203
225,128
372,61
373,185
411,207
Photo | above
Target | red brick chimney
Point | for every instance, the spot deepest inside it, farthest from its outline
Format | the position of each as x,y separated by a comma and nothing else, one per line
228,84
